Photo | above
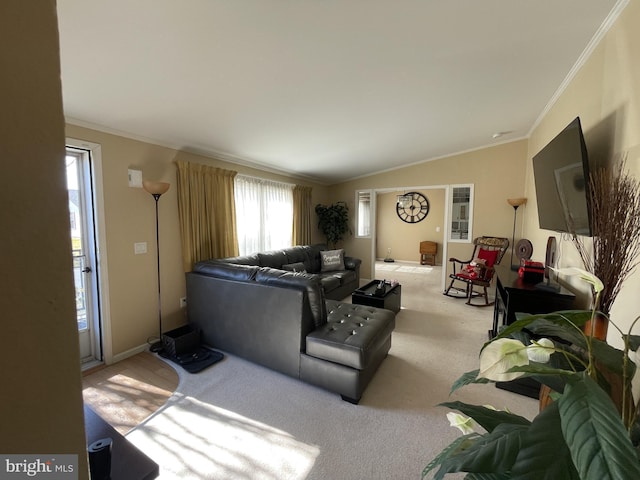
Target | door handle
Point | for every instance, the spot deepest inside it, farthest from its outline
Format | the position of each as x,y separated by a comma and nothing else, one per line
86,270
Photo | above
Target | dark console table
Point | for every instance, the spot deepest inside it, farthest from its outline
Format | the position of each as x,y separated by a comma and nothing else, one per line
390,299
127,461
513,295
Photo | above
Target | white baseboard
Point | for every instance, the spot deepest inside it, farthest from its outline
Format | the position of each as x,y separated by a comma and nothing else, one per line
130,353
399,261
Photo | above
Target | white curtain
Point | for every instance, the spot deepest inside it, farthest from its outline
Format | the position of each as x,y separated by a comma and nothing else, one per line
264,214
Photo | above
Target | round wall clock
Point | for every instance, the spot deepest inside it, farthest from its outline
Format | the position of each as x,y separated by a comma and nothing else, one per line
413,211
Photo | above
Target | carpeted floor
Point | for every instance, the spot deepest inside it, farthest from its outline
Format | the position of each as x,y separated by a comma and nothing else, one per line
237,420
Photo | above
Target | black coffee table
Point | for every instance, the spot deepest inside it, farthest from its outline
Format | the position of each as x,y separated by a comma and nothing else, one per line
390,299
127,461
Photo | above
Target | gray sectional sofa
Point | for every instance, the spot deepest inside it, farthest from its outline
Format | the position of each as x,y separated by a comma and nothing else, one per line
337,283
283,319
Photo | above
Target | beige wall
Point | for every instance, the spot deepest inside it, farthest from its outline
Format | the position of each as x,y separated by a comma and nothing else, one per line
404,238
497,172
41,400
605,93
130,218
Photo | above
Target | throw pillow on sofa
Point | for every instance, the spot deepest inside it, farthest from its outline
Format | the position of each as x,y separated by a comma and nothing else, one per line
332,260
295,267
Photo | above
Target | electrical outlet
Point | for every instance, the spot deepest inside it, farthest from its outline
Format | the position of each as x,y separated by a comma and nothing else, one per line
183,302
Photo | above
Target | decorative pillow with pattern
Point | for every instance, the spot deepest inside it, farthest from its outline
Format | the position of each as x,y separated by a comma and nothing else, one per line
475,268
332,260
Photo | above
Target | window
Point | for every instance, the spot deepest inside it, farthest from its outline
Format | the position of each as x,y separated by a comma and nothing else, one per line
264,214
461,209
363,213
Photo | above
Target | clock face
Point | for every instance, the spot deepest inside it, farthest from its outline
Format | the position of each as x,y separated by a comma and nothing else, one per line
414,211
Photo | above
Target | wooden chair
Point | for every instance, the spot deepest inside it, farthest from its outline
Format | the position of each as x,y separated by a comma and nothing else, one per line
428,252
478,270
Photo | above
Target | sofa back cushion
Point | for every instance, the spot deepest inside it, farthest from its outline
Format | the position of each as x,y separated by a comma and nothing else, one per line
313,252
274,259
242,260
298,281
295,267
299,254
228,271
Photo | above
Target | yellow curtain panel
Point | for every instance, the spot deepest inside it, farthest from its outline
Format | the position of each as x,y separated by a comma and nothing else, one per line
206,207
301,215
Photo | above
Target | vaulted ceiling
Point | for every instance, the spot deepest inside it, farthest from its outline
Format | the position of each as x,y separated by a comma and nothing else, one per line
324,89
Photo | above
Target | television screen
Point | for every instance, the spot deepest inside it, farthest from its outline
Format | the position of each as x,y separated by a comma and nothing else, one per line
561,173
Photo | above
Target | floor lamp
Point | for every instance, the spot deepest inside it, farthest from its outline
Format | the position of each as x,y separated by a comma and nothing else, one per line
156,189
515,203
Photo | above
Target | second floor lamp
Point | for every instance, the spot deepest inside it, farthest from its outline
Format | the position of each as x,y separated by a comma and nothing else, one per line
515,203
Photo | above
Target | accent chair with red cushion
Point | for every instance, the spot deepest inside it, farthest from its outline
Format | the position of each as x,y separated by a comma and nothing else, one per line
477,272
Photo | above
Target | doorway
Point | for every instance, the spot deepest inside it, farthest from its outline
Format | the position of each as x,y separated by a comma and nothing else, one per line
431,228
82,208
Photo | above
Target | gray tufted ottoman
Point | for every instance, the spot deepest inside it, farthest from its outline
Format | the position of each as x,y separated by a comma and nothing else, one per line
355,340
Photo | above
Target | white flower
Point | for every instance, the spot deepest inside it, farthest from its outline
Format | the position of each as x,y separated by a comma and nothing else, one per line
501,355
540,351
588,277
463,423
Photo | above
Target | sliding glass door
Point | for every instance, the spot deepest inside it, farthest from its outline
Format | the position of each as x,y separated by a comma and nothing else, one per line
83,244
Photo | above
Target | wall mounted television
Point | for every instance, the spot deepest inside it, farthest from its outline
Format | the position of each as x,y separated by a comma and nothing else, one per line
561,175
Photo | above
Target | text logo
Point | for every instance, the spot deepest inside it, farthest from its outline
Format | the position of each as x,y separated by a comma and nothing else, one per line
50,467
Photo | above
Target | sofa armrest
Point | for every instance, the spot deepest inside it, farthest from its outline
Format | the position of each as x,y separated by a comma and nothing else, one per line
352,263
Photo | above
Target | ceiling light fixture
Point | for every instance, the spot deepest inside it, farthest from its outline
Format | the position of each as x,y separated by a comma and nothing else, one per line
500,134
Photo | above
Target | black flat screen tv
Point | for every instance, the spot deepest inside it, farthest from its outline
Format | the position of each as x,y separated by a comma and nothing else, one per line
561,174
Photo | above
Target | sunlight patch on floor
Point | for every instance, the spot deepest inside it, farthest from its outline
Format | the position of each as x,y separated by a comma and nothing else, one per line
403,268
229,445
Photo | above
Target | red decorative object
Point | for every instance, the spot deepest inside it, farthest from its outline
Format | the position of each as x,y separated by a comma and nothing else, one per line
531,272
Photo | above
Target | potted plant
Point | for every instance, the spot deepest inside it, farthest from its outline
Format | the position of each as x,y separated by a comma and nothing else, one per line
613,252
580,435
333,221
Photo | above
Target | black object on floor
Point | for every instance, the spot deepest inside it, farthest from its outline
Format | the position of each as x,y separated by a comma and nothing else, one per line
196,361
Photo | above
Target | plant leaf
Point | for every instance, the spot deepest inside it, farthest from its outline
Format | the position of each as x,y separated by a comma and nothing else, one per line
634,342
565,319
494,452
467,379
544,455
554,378
487,476
487,418
599,444
541,369
459,444
558,327
610,357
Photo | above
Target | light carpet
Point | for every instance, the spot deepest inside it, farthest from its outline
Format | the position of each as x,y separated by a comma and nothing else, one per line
237,420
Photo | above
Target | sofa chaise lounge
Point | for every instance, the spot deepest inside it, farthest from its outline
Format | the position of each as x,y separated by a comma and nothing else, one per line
282,320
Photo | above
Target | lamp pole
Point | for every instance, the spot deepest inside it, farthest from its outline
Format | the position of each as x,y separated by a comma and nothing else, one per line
515,203
158,345
156,189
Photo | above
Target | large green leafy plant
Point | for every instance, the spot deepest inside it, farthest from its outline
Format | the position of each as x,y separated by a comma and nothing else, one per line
582,434
333,221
